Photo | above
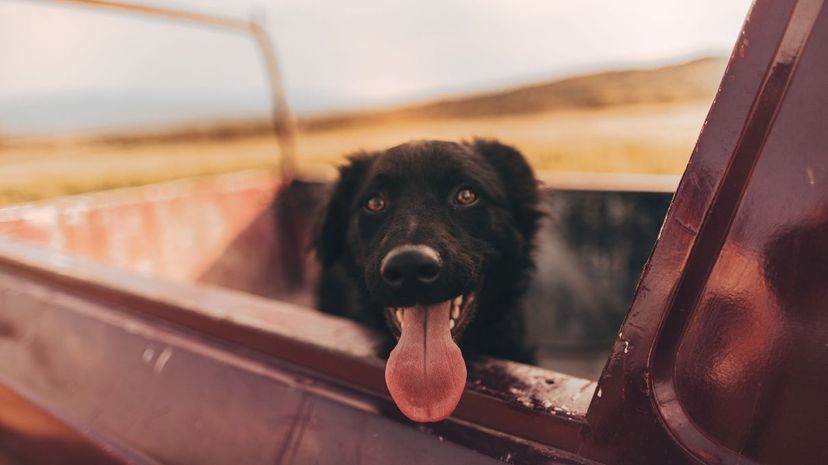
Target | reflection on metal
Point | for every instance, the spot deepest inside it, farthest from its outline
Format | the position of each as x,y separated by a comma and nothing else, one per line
698,280
284,123
724,344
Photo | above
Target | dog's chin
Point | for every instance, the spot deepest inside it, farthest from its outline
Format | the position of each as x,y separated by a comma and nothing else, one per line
462,311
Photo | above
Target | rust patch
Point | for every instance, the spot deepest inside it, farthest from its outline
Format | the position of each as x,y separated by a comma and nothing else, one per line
530,387
8,330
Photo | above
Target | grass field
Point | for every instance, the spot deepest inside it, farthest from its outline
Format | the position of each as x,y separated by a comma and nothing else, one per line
630,121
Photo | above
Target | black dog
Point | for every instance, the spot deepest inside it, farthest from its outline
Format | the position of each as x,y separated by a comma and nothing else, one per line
432,240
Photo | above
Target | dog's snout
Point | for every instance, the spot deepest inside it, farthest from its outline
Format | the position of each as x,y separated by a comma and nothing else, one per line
409,265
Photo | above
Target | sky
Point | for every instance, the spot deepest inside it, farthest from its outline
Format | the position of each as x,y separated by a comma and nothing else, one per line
335,54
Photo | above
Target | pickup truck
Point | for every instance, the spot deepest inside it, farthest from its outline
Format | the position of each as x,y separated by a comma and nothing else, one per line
169,324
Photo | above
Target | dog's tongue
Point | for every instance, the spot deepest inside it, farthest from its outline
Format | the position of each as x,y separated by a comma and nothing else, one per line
425,372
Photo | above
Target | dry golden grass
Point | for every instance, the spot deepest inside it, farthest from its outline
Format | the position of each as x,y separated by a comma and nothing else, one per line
653,139
631,121
70,168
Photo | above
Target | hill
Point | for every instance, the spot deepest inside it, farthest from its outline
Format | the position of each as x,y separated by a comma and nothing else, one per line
683,82
641,121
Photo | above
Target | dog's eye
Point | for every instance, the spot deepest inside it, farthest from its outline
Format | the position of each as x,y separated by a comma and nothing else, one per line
375,203
465,197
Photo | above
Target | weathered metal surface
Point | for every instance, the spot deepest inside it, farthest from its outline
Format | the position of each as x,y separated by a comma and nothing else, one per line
96,341
227,231
31,434
747,325
726,337
183,401
608,182
214,230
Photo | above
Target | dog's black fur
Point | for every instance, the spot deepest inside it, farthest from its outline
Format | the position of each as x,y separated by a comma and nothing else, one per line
485,247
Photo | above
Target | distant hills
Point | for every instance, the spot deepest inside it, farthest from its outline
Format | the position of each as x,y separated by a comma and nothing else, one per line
691,81
694,80
632,121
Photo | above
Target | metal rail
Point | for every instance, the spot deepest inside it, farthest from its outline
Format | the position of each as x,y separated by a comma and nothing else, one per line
284,123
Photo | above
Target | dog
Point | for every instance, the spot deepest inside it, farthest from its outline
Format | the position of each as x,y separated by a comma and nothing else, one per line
431,241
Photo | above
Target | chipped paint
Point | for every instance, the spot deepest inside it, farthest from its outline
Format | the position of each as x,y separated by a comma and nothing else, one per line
148,354
162,360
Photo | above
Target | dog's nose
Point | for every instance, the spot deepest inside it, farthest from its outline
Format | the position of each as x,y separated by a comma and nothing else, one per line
411,265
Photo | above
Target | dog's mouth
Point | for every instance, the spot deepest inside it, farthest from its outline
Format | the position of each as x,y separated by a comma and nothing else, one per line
462,311
426,373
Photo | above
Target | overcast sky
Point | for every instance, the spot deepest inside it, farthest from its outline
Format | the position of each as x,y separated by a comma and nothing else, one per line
341,53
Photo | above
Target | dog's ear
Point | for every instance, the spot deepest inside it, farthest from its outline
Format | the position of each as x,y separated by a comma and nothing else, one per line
518,180
331,227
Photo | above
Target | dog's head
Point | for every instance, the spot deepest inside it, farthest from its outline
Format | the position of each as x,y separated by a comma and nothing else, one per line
424,228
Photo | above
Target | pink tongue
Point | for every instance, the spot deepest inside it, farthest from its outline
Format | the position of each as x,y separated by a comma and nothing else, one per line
426,373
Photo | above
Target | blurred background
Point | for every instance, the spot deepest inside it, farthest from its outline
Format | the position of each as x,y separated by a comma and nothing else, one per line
92,99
